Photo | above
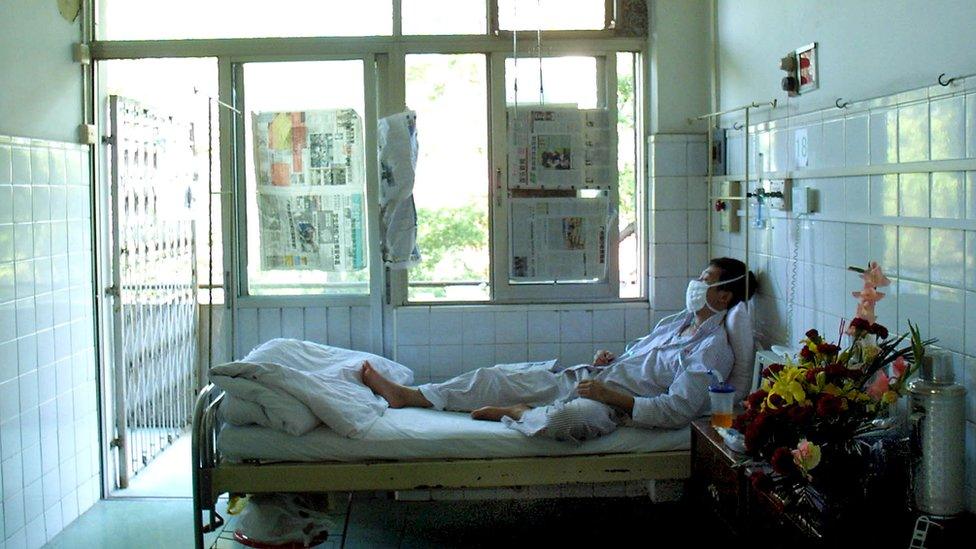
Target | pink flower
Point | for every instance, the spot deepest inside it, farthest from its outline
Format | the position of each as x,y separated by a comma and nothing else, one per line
874,276
807,455
879,386
898,367
865,310
869,293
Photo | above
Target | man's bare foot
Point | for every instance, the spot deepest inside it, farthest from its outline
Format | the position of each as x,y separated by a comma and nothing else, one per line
496,413
395,394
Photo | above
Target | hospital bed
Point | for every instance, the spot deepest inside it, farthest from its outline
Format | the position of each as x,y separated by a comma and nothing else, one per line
417,449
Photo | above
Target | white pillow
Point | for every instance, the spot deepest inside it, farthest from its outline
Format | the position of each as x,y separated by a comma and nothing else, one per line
738,325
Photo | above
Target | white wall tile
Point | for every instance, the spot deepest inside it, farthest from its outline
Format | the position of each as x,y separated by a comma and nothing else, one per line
339,326
543,326
946,317
947,257
857,197
575,326
608,325
698,193
543,351
511,327
20,166
670,227
971,260
884,195
913,133
834,244
669,158
948,195
970,324
858,240
697,158
315,324
835,291
415,357
856,148
884,136
669,259
477,356
779,146
5,165
913,195
884,247
444,360
444,327
507,353
413,325
833,144
669,293
698,226
636,323
576,353
913,253
948,139
669,193
913,305
478,327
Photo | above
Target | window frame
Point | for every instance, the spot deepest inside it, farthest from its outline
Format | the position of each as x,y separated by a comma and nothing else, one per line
384,86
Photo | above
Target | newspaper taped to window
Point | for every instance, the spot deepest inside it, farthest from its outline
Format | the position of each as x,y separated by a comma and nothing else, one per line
558,239
559,148
310,190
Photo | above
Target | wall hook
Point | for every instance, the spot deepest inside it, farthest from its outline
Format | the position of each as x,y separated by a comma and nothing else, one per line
737,126
947,82
840,105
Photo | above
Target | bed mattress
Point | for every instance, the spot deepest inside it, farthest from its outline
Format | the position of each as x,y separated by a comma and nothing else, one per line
416,434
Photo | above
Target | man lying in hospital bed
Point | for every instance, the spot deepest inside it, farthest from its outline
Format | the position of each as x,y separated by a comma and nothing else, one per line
661,381
294,387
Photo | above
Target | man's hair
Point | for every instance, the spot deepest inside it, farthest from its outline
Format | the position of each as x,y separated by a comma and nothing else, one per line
733,268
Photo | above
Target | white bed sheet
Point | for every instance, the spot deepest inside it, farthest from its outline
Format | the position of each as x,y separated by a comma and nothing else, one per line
415,433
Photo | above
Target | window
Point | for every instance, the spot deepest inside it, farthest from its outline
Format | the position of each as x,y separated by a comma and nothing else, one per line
551,14
450,95
195,19
306,177
301,160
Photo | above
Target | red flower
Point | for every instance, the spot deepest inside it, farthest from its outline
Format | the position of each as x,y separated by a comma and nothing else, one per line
776,400
800,414
859,323
836,370
827,348
782,461
878,330
756,399
806,353
760,481
811,374
813,335
829,405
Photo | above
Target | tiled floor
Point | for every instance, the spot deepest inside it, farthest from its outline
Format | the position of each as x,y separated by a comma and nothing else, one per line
383,523
166,476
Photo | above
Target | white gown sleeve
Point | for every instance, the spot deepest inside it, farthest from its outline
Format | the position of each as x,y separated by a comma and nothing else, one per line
687,398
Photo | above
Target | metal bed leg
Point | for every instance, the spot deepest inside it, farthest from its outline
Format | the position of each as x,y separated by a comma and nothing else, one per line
203,458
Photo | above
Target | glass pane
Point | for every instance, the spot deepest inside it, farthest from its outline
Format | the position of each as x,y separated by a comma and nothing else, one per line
565,80
180,88
630,230
306,184
444,17
184,19
551,14
449,93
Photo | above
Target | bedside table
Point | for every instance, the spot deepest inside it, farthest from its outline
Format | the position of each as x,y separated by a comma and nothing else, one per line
718,479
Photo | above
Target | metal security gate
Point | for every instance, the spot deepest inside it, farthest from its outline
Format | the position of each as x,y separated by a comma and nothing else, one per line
154,283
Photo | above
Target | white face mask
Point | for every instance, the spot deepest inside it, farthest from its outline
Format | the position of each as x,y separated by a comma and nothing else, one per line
695,294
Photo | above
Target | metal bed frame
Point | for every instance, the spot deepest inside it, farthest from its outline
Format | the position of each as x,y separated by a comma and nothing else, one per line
213,477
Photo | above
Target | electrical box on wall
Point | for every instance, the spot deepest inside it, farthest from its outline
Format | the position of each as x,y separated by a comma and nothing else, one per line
775,194
728,210
802,72
804,200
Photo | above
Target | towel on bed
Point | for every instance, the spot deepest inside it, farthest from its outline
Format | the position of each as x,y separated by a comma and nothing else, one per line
293,386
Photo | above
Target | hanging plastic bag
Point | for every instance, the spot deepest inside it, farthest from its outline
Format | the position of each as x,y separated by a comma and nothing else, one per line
397,144
284,521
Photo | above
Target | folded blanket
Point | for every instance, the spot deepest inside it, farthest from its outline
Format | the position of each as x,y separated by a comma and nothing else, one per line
292,386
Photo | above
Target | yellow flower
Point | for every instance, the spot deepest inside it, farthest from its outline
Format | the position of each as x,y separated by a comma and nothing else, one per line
889,397
788,386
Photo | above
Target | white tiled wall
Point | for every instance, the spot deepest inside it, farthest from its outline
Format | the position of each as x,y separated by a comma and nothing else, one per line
348,327
439,342
678,207
48,423
920,226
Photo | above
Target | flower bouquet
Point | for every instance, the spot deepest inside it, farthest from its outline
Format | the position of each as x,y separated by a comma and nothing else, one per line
815,416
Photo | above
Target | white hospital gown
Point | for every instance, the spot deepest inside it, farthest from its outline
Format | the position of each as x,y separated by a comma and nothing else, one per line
667,375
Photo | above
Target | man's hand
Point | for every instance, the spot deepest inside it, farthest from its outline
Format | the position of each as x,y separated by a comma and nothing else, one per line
598,391
603,357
